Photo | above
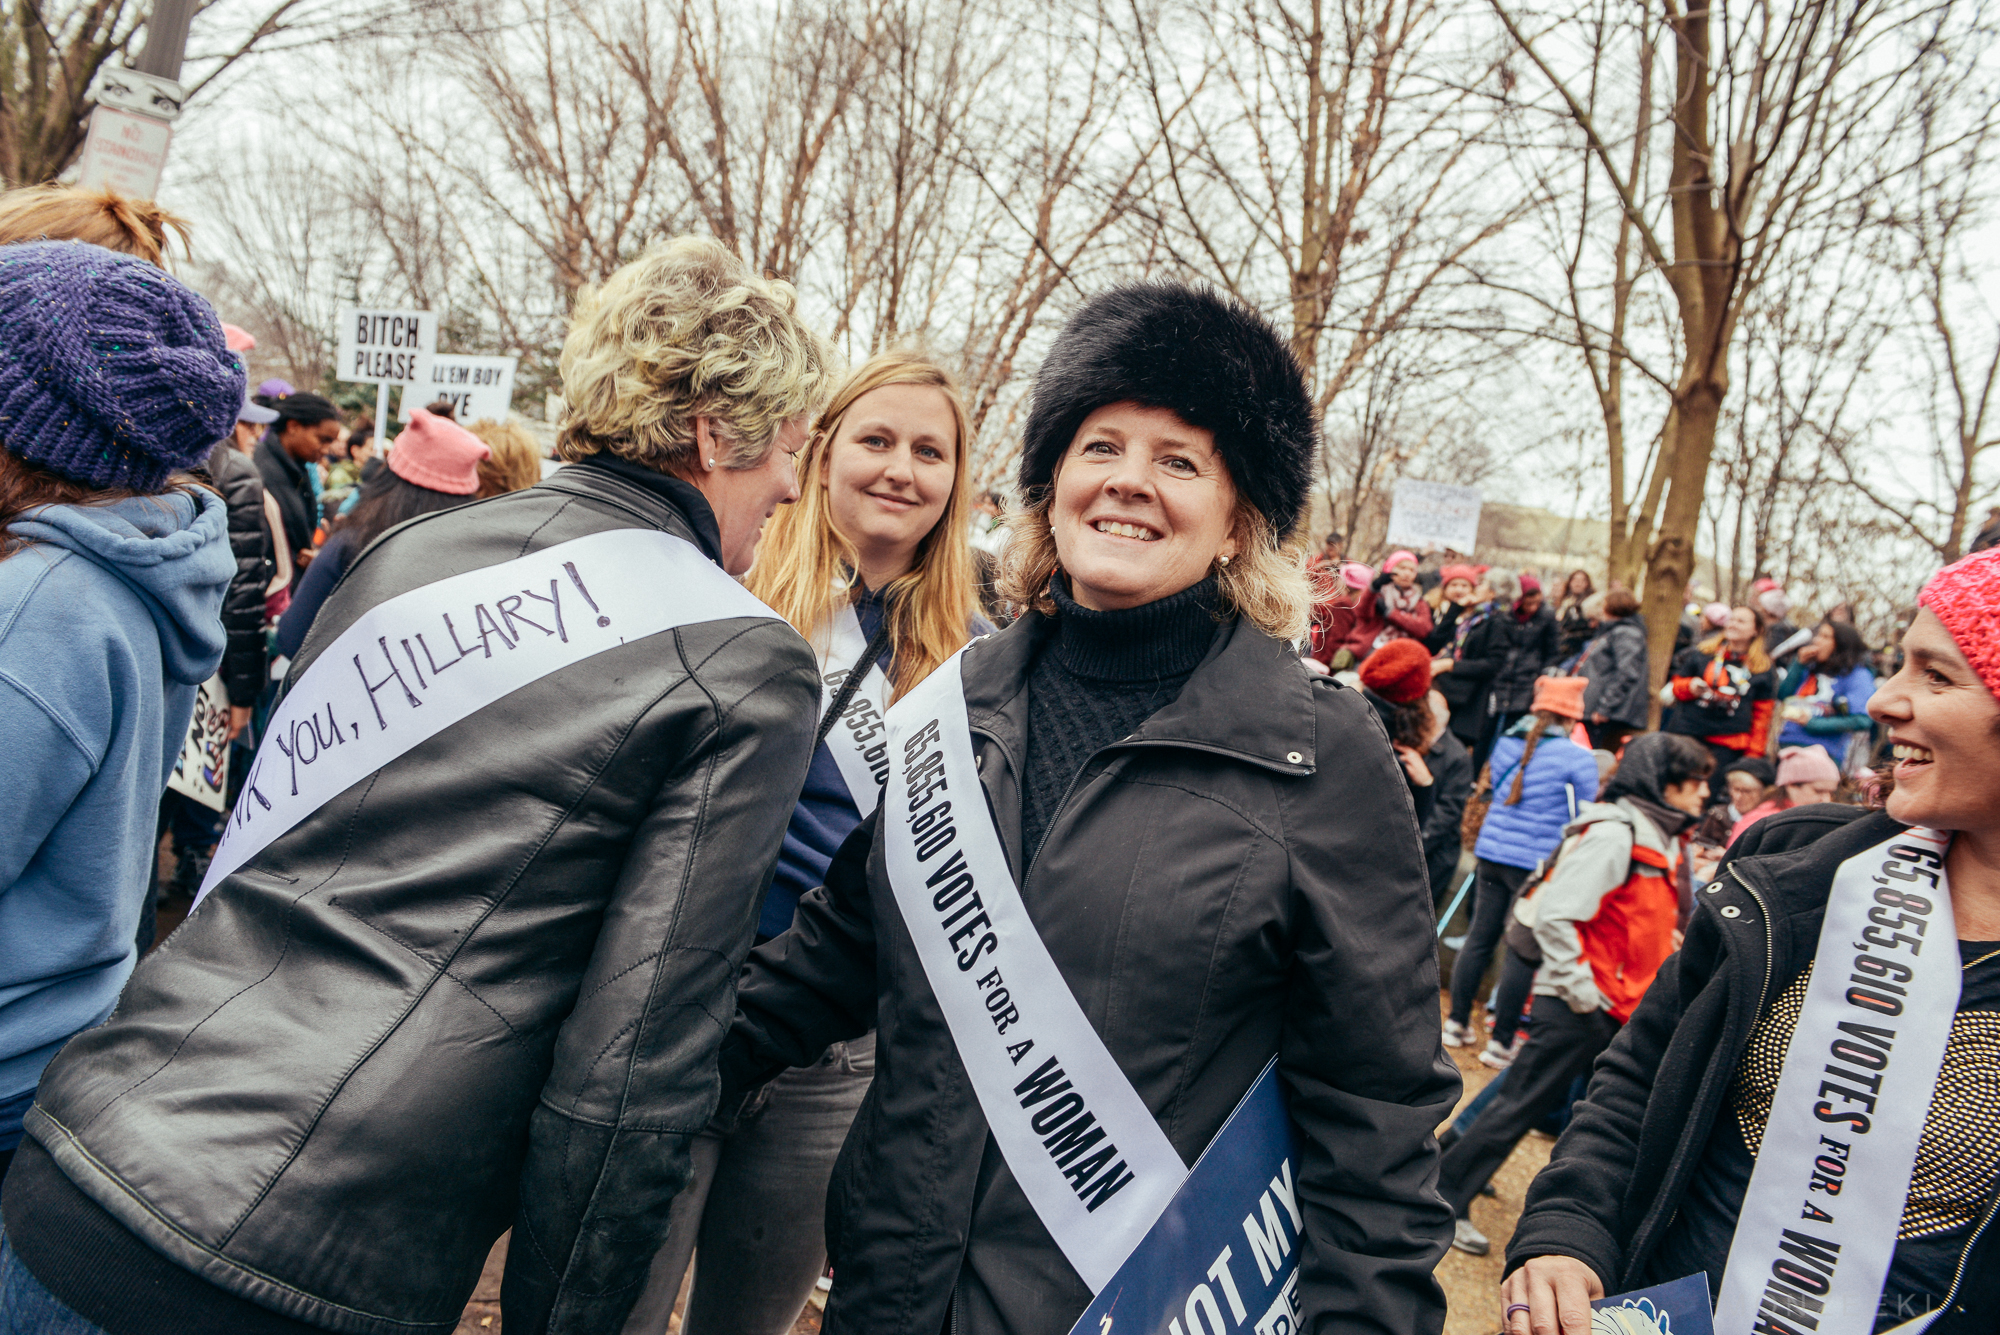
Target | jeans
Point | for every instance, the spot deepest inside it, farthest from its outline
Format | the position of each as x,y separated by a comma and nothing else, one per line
27,1308
1561,1046
753,1214
1510,998
1492,892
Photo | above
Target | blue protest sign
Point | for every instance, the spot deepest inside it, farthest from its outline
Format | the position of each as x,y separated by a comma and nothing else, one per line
1678,1307
1223,1256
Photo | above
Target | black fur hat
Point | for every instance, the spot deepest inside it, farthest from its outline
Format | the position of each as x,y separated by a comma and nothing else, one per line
1212,362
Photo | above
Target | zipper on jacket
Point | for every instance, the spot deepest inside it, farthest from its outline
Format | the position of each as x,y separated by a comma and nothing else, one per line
1770,939
1958,1275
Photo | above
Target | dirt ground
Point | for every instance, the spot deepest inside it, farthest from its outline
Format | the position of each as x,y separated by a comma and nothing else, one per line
1471,1283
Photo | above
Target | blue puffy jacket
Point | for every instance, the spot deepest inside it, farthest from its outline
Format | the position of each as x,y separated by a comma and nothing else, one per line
1524,834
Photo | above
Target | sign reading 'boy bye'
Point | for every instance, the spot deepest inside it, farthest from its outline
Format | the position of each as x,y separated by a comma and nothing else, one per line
410,667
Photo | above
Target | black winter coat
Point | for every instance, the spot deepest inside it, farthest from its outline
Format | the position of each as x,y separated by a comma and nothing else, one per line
1518,651
1467,687
1240,877
1617,1176
1616,667
1450,765
243,664
285,479
482,988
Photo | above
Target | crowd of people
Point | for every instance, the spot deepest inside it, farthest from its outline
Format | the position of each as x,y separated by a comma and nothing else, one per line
625,850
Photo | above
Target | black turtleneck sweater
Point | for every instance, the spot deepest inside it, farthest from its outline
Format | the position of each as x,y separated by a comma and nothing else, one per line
1097,679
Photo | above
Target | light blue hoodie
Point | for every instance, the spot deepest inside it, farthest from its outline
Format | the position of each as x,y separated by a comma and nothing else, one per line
110,619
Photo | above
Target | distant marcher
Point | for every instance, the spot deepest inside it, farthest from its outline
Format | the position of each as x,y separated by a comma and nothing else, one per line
1608,915
989,528
1824,696
1541,779
1396,680
1616,703
1748,782
514,463
307,427
435,466
1724,692
1572,625
1450,765
1509,653
1778,631
1404,610
113,567
1332,551
1463,669
1347,619
1806,775
1449,602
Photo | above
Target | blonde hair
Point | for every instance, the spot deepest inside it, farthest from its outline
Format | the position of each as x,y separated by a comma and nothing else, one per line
1265,583
136,227
804,561
686,331
515,462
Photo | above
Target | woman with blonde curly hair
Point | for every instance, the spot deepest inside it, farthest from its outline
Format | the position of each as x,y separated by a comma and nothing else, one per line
872,565
1137,810
465,957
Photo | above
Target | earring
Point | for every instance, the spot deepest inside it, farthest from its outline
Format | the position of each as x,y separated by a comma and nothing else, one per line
1223,560
711,463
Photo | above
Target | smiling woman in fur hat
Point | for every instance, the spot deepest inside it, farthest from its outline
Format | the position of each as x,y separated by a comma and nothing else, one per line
1199,831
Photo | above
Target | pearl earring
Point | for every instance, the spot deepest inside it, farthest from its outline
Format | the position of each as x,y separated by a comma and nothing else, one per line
1224,560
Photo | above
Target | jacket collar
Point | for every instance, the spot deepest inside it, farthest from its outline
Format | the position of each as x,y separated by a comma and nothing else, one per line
1797,880
1248,700
270,447
664,502
684,497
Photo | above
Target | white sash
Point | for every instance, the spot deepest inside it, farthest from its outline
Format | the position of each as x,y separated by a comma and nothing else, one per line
1819,1220
411,667
1092,1160
859,742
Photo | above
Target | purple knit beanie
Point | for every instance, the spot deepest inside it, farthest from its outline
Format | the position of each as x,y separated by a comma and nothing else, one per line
111,372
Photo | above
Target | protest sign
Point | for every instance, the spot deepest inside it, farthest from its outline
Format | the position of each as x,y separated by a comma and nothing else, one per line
202,772
1223,1256
475,387
384,347
1425,516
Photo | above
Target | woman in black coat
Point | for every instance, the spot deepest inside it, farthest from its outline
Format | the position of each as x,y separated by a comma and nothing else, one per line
1653,1175
1217,851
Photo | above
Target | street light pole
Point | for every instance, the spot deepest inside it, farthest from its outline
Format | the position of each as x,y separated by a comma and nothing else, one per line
166,38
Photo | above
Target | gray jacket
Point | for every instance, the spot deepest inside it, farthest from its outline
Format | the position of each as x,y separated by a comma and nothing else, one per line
482,988
1616,667
1239,878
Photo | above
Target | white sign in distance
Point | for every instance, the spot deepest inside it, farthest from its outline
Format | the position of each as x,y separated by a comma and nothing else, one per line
475,387
124,151
1425,516
384,347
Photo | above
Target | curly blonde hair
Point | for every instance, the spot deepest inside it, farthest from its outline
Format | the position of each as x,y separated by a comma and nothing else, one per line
1265,583
686,331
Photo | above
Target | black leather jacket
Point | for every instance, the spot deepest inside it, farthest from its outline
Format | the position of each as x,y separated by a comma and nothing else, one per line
1239,878
484,987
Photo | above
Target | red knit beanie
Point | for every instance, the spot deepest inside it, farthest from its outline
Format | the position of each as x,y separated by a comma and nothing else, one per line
438,453
1399,672
1966,597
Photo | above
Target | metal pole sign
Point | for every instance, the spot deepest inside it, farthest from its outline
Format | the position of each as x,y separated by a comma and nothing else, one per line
125,152
475,387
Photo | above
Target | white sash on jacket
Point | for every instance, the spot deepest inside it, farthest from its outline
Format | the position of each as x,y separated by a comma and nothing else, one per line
1087,1152
410,667
859,740
1819,1221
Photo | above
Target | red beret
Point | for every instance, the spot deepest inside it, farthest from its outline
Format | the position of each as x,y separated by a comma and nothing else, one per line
1399,672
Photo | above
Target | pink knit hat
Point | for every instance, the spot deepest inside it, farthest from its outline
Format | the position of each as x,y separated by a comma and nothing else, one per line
1966,597
438,453
1355,575
1806,764
1397,558
238,340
